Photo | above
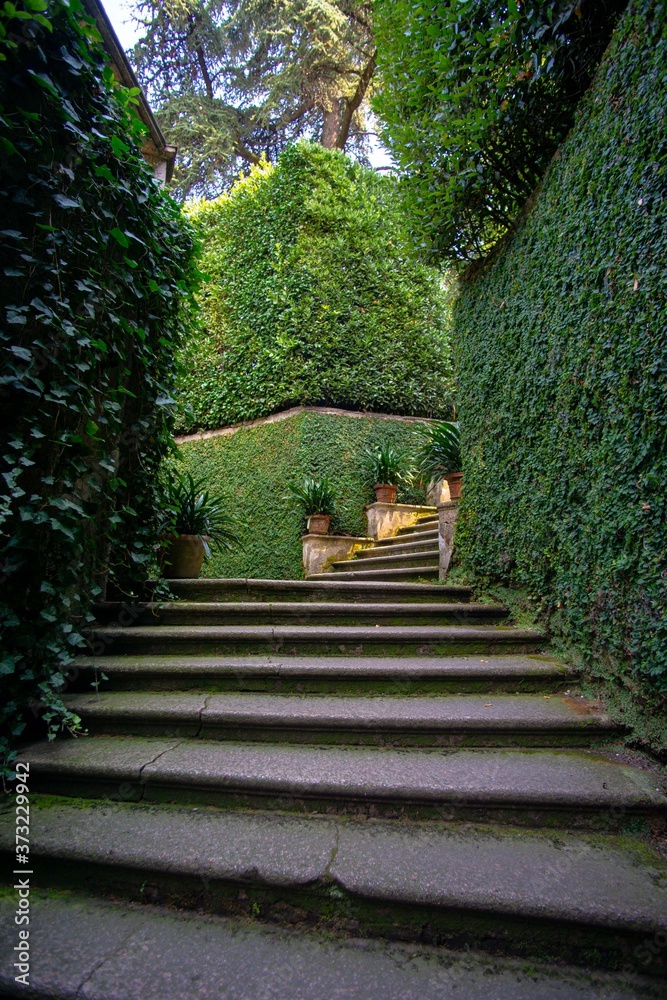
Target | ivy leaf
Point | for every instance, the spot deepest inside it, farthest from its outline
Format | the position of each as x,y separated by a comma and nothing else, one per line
120,237
65,202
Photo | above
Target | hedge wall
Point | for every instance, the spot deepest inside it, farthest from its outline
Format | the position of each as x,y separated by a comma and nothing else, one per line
314,297
561,358
253,466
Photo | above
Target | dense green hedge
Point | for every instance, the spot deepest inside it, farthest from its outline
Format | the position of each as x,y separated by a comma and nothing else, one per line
253,466
96,268
475,98
314,298
561,354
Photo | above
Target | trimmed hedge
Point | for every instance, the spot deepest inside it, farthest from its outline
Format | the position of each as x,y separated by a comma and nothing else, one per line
561,358
314,298
254,465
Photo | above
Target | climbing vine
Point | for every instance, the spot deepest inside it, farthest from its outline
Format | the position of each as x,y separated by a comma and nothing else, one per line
94,299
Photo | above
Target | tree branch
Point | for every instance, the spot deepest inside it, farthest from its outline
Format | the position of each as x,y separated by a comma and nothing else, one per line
352,104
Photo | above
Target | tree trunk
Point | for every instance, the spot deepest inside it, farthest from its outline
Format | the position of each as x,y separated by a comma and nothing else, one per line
331,127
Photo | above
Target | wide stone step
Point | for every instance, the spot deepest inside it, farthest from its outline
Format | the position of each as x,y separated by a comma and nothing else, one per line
300,613
329,588
538,787
350,640
453,720
428,557
84,947
343,675
407,538
364,870
398,547
418,574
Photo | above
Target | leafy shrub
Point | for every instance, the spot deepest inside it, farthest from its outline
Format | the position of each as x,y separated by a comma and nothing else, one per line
314,298
255,463
476,97
96,266
562,368
386,465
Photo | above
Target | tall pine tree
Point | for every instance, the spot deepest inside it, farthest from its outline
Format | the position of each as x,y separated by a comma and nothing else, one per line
235,80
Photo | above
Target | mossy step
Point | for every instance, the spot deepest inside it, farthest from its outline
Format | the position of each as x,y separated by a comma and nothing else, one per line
428,557
418,574
451,720
96,948
299,613
330,588
398,547
462,878
398,674
408,537
423,524
350,640
533,787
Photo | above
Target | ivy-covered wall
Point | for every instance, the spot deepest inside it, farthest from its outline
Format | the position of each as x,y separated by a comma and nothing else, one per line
561,357
253,466
96,267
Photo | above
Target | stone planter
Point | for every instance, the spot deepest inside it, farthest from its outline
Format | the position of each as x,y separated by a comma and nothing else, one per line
181,557
319,551
384,519
385,493
318,524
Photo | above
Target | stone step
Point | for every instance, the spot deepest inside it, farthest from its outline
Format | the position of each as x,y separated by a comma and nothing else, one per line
329,588
418,574
300,613
530,787
428,557
349,640
399,547
82,947
452,720
423,524
412,536
343,675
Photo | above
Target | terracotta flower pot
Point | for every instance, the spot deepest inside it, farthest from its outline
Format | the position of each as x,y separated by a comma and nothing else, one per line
384,493
182,557
318,524
455,482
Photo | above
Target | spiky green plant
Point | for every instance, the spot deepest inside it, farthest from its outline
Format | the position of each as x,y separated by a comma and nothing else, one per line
440,454
386,465
315,496
189,508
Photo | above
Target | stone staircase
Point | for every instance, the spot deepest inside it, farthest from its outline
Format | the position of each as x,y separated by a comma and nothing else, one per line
376,761
411,554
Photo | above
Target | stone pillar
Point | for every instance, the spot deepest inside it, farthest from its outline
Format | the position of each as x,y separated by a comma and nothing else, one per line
447,515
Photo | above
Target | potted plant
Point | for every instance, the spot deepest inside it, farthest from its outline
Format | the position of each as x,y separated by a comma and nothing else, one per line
386,471
316,501
440,456
193,520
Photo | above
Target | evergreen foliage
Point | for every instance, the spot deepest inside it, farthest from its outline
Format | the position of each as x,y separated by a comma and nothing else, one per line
561,359
314,297
476,97
96,270
237,80
255,464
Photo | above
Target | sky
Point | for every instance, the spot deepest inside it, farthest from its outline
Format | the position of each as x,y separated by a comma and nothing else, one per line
119,12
